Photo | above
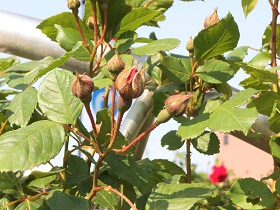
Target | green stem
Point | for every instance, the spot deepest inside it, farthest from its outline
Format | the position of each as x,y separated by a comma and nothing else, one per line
106,96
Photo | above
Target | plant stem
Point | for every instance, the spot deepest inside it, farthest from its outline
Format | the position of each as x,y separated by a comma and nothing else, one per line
113,112
105,20
106,96
138,138
188,161
81,33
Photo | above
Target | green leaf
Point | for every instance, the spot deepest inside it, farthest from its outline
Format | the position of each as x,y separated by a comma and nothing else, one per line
274,175
172,141
30,146
193,128
274,144
174,69
68,38
156,46
260,74
177,196
260,60
127,169
10,184
238,119
3,202
106,199
56,99
248,6
215,71
224,88
65,19
274,119
42,182
29,205
238,54
153,70
125,41
208,143
264,108
158,102
101,83
136,18
251,194
217,39
266,38
22,106
252,82
277,186
60,201
6,63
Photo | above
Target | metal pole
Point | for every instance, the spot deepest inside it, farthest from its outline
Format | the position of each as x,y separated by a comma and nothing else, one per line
19,36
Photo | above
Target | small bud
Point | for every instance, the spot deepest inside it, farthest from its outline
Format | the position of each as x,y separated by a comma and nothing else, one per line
177,104
163,116
130,83
212,19
115,65
190,47
73,4
90,23
82,87
123,104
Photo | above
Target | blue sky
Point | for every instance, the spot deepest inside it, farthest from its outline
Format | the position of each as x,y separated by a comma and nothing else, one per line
183,20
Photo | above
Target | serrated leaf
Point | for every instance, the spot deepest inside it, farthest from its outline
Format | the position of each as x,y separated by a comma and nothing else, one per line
217,39
127,169
153,70
274,145
248,6
274,175
177,196
106,199
156,46
215,71
10,184
29,205
249,193
252,82
60,201
56,99
224,88
190,129
135,18
172,141
65,19
5,63
42,182
30,146
68,38
238,54
260,60
260,74
238,119
208,143
174,69
125,41
264,108
22,106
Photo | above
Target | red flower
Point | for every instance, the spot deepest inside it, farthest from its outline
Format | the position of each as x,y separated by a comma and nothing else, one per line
219,174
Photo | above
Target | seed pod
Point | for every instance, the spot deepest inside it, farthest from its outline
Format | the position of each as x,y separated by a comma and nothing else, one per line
82,87
115,65
130,83
123,104
177,104
212,19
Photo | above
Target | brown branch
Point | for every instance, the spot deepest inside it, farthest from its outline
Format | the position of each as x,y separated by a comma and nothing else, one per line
81,33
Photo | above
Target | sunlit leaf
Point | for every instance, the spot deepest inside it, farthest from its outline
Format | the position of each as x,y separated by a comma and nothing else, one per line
208,143
30,146
248,6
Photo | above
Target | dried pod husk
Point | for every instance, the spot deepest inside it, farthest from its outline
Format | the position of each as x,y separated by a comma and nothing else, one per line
130,83
177,104
212,19
82,87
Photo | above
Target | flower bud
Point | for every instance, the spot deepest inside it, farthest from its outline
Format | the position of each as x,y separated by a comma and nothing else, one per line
73,4
177,104
115,65
123,104
90,22
163,116
82,87
130,83
212,19
190,47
